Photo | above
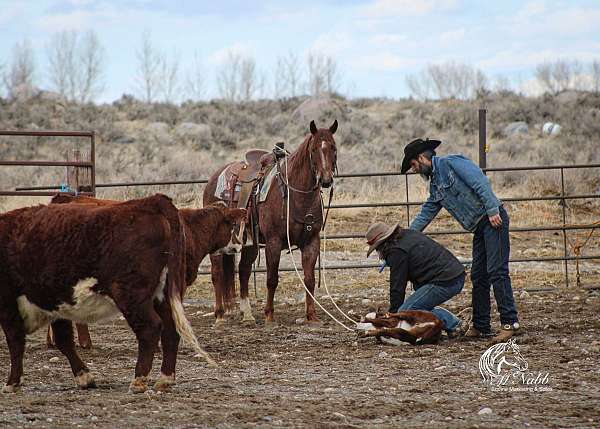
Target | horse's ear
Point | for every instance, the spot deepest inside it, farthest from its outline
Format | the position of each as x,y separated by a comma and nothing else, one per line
313,127
333,127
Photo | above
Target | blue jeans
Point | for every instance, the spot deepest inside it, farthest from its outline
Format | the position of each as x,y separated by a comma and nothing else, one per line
491,251
428,296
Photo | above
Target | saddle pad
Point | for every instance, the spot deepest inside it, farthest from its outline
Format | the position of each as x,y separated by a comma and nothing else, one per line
266,185
226,182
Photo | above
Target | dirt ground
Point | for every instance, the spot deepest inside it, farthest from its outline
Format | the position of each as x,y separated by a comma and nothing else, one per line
294,375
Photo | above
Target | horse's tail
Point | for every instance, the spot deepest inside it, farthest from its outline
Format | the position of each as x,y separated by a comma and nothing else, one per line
229,283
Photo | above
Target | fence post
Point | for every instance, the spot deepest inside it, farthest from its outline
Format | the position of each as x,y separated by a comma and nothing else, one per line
482,139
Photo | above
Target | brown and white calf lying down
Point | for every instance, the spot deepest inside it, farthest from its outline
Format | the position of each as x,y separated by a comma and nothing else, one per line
413,326
206,230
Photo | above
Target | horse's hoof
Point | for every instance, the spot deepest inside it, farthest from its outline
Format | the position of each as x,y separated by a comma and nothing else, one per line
249,322
85,380
138,385
85,345
220,323
164,382
11,388
314,323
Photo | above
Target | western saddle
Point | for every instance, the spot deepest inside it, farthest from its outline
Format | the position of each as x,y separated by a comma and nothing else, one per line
244,179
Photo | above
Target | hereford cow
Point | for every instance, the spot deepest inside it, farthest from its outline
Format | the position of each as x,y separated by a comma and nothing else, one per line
207,230
60,263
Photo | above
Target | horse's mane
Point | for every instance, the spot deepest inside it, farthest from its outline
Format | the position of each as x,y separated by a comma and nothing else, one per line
301,155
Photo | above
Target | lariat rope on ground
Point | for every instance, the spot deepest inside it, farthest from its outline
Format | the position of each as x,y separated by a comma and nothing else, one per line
294,260
578,246
323,273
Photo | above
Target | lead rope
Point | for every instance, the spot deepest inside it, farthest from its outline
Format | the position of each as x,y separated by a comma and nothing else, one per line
324,277
294,261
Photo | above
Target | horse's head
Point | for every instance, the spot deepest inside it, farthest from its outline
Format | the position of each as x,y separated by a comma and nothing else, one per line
512,356
323,153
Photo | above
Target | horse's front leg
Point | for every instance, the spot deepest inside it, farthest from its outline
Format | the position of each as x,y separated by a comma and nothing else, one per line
310,253
272,255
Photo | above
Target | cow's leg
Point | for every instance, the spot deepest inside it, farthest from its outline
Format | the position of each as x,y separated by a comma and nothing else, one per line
216,270
310,254
229,283
63,338
146,325
247,258
14,330
272,255
170,343
50,338
83,336
397,333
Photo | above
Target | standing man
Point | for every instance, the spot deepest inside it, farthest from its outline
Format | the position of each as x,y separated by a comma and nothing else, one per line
458,185
435,273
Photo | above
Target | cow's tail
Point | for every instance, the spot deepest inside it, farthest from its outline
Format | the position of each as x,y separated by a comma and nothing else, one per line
176,281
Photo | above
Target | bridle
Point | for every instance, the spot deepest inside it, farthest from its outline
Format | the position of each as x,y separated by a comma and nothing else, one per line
313,171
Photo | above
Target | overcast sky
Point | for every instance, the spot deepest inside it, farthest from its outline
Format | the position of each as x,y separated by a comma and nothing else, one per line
375,42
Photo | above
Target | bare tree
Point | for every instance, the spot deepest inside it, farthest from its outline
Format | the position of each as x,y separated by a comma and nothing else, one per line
323,76
559,75
447,80
149,69
288,78
169,77
76,65
20,77
195,81
227,77
248,79
502,84
419,86
595,75
91,60
61,60
238,78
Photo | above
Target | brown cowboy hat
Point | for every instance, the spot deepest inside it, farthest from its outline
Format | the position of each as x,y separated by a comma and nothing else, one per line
414,149
377,234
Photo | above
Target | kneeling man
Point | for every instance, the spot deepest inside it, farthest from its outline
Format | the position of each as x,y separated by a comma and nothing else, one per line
435,273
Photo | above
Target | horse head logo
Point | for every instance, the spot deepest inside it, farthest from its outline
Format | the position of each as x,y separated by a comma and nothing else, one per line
501,359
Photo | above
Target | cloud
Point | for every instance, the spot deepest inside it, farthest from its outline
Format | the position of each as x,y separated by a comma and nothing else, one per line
384,62
388,39
332,43
519,59
535,18
452,37
396,8
220,56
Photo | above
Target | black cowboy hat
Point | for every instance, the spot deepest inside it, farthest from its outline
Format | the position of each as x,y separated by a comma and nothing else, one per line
414,149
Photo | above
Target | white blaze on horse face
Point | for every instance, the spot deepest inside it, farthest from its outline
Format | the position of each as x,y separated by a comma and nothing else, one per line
89,306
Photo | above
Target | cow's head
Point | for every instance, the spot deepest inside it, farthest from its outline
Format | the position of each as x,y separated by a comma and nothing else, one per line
228,235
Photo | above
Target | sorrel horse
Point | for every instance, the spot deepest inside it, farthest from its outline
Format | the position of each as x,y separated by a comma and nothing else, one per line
301,176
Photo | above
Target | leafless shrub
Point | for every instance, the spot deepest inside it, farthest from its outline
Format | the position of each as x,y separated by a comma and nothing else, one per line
287,78
196,79
149,63
238,78
559,75
20,76
323,74
446,81
595,76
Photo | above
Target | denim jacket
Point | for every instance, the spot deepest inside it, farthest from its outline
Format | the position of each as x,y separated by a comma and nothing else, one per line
458,185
